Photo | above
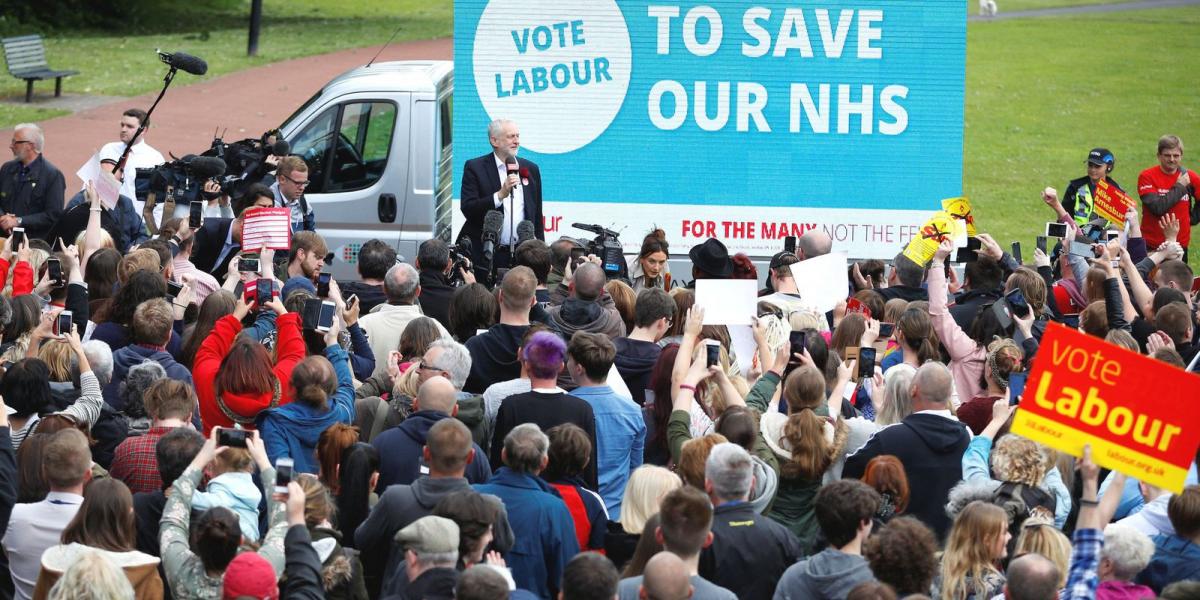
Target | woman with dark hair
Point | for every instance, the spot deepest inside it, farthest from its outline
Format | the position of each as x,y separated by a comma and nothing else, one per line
650,269
475,516
100,273
235,377
216,305
324,394
472,307
357,475
658,408
104,524
143,285
31,477
26,389
195,563
569,453
684,299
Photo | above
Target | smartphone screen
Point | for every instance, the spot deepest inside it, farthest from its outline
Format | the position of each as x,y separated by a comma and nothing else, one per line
18,238
714,354
968,253
63,324
1000,309
1196,285
173,289
325,318
323,285
263,289
1016,301
1016,385
866,362
248,264
233,438
1055,229
1041,243
310,314
196,216
1083,250
283,475
54,272
798,342
1016,252
886,330
789,244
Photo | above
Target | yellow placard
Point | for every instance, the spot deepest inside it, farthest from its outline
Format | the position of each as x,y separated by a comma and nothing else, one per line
942,225
960,208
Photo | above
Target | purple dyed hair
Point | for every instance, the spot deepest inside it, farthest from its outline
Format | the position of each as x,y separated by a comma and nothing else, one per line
544,353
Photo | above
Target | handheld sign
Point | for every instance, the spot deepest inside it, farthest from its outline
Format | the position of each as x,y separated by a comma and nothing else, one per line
960,208
267,227
823,281
1111,203
727,301
1132,409
942,225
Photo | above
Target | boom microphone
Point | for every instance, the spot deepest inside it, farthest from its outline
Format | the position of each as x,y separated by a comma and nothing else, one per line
525,231
492,222
184,62
204,167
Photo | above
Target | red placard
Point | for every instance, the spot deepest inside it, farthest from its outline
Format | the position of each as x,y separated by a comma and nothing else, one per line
1133,410
1111,203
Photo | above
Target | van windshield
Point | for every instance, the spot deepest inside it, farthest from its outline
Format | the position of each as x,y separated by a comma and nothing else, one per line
302,108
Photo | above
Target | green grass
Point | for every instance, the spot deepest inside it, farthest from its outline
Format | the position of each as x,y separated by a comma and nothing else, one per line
1015,5
1037,102
126,65
11,114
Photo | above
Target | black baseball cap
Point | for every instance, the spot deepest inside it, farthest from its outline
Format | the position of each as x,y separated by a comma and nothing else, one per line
1100,156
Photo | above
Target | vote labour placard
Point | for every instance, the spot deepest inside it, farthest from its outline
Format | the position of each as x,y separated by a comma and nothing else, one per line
1111,203
1133,410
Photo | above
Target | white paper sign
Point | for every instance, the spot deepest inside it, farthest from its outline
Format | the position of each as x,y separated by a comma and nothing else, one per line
823,281
741,338
728,301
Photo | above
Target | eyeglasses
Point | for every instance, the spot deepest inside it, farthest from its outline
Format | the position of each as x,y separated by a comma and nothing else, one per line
16,142
296,183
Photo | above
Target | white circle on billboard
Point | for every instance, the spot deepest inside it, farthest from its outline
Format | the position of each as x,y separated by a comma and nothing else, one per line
558,68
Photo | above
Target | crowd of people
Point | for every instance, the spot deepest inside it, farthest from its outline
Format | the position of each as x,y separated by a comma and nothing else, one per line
170,430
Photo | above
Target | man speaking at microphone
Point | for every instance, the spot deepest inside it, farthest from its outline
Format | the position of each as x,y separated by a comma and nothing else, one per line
501,182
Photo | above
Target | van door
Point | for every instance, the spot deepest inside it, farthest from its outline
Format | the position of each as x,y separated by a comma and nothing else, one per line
358,167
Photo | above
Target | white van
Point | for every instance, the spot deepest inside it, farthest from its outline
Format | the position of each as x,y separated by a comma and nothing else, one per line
378,145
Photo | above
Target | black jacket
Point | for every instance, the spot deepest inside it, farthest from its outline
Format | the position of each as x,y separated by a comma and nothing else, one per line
369,296
903,291
38,198
8,498
435,584
635,361
480,180
494,356
967,305
749,552
546,410
302,578
435,296
400,452
931,448
210,239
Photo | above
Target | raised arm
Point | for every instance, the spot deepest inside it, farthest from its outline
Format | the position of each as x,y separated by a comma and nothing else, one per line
958,343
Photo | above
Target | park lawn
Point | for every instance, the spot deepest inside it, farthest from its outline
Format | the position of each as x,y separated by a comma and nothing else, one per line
1037,101
126,65
1015,5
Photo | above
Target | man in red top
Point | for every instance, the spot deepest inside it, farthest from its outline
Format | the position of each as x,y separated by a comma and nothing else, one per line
1167,188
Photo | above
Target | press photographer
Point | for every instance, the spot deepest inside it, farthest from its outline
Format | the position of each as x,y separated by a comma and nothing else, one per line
439,267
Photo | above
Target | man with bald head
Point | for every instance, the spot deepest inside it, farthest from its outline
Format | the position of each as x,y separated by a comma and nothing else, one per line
814,243
588,308
665,577
494,352
385,325
930,445
444,457
401,448
1031,577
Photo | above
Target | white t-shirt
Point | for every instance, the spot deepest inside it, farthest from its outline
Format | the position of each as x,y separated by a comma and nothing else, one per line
141,156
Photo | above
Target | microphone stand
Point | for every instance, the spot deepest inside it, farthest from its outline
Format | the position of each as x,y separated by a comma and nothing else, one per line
142,127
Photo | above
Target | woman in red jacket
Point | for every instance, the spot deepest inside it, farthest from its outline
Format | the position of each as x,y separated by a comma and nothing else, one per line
234,376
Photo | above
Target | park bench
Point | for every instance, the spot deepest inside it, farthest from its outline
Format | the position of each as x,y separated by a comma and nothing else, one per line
26,59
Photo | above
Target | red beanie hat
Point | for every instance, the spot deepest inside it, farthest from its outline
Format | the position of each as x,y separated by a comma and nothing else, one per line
249,574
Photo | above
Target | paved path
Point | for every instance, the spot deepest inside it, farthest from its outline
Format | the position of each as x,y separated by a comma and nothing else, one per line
245,103
1075,10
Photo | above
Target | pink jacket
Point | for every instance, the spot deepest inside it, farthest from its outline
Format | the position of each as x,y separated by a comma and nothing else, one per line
967,358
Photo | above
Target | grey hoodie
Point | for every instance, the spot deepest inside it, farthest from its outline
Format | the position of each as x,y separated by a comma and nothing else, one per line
766,483
828,575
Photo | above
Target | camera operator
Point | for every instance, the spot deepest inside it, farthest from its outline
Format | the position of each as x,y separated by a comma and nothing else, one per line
291,177
435,267
141,155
